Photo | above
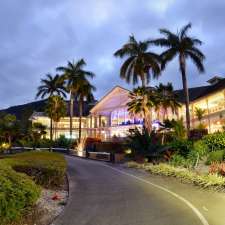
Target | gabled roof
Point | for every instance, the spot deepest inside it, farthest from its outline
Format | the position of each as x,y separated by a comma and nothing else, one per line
106,97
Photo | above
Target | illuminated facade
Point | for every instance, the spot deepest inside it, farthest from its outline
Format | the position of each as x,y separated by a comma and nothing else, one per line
109,117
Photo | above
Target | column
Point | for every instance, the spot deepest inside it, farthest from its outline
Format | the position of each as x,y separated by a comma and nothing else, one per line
209,122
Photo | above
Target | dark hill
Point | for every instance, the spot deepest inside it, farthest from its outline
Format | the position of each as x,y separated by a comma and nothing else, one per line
23,112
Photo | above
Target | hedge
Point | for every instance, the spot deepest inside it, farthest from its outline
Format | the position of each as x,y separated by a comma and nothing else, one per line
17,193
47,169
20,177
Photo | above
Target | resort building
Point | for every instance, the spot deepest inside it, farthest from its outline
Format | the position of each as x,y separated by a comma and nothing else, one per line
63,126
109,117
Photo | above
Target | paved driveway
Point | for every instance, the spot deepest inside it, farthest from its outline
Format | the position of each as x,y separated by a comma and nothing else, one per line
101,194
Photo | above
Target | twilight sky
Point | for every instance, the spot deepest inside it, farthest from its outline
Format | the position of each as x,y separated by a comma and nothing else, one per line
36,36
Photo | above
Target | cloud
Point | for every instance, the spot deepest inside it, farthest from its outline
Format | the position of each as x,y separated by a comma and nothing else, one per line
38,36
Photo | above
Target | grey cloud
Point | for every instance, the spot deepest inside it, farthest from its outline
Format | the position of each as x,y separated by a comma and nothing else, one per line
37,36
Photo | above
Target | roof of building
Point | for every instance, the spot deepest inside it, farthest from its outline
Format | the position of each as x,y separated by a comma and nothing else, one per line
198,92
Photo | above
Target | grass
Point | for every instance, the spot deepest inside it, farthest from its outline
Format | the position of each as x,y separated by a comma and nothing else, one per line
21,178
47,169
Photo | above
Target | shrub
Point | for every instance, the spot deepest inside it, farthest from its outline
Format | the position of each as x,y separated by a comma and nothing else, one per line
47,169
206,181
17,193
215,141
62,142
44,143
189,162
218,168
177,160
201,148
182,146
143,144
217,156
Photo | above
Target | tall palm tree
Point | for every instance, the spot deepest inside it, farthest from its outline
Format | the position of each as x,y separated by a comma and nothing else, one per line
84,92
52,85
141,103
140,63
74,74
185,47
58,108
167,98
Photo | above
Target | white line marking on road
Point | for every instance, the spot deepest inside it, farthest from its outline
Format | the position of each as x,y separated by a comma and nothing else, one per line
189,204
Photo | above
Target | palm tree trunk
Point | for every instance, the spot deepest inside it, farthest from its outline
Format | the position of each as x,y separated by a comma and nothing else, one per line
71,115
143,79
51,133
186,93
148,121
80,118
56,130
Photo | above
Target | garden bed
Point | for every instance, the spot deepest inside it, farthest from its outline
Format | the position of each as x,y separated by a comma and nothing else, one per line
211,181
33,188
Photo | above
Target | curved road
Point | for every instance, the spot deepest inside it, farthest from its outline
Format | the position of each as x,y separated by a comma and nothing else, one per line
105,195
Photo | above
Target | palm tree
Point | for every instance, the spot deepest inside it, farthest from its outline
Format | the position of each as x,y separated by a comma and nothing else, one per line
199,113
84,92
140,63
49,87
181,45
52,85
167,98
75,74
56,108
141,103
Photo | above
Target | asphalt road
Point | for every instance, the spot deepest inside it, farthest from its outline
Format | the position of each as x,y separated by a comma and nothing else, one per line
103,194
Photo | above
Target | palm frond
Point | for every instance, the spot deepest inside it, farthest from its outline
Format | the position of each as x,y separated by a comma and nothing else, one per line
167,56
196,60
184,30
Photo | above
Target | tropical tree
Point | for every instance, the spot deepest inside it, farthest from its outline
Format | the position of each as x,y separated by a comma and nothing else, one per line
75,75
84,92
9,128
140,63
59,110
185,47
52,85
36,132
49,87
199,113
56,108
167,99
142,100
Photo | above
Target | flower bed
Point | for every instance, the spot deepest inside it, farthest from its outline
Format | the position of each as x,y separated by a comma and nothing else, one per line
214,181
